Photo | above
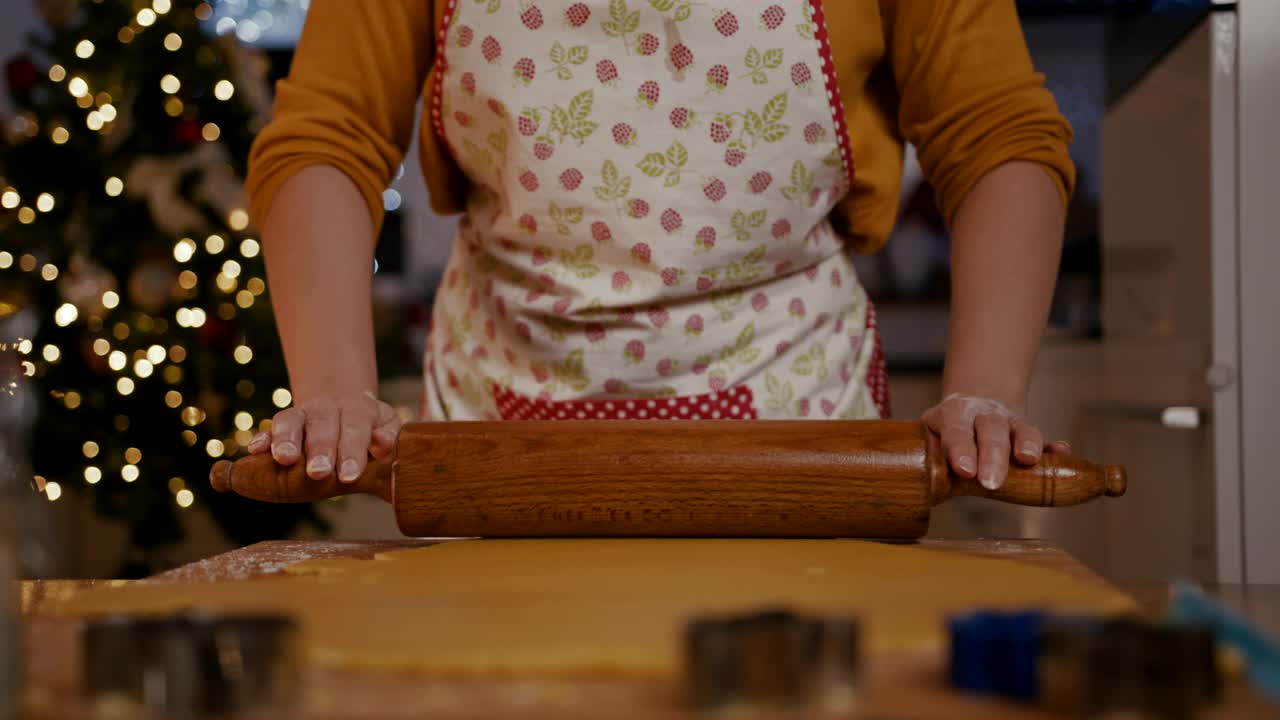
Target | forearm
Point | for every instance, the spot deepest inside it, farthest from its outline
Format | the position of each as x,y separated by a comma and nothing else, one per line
1006,246
318,245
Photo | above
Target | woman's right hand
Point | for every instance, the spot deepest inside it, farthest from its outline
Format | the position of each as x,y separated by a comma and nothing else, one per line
335,431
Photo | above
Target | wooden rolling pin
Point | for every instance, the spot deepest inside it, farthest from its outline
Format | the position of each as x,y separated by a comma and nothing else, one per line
682,478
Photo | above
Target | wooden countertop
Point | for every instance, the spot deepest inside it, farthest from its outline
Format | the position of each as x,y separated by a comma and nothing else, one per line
899,687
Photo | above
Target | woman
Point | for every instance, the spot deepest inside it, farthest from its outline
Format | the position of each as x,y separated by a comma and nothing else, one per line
659,201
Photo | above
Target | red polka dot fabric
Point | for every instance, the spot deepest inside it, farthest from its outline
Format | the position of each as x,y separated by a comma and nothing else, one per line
731,404
877,372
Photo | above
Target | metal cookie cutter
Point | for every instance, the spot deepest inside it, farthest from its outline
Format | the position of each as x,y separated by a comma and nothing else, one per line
772,661
190,666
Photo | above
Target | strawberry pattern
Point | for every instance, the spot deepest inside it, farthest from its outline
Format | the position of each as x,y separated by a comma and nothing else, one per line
647,234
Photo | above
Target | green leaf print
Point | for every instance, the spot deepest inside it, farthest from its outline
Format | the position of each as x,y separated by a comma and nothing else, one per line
746,270
726,303
677,154
653,164
774,133
582,130
581,104
775,109
757,218
801,183
559,120
662,5
564,217
833,158
557,53
683,12
780,394
572,371
673,179
615,186
740,352
808,28
578,54
491,6
752,123
813,362
562,58
754,58
742,223
773,58
579,261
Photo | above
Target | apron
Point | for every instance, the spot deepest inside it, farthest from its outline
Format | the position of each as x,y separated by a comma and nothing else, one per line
647,233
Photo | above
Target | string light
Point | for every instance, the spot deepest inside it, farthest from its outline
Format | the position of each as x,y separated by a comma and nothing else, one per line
129,473
204,11
51,353
78,87
146,17
172,42
125,36
90,449
143,368
110,299
44,202
108,112
197,317
28,368
10,199
155,354
223,90
173,375
189,438
92,475
6,260
52,490
26,215
244,299
85,101
120,330
226,311
94,121
243,437
116,360
184,498
176,484
214,244
65,314
250,248
24,347
49,272
177,353
192,415
114,186
132,455
281,398
57,73
173,107
243,354
173,399
210,132
184,250
186,280
231,268
161,6
28,262
101,347
71,400
214,447
124,386
84,49
238,220
224,283
243,421
168,83
59,135
256,286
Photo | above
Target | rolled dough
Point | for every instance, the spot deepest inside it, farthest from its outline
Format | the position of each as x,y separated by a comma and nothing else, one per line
580,607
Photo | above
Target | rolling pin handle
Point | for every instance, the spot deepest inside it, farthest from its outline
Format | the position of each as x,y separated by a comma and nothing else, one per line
220,476
1117,480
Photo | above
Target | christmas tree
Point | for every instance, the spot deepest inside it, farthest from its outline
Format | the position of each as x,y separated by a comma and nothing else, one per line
123,232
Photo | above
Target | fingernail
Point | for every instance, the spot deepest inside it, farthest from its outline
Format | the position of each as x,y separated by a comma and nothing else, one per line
284,451
989,480
258,442
1066,445
383,437
1030,448
319,464
349,471
965,464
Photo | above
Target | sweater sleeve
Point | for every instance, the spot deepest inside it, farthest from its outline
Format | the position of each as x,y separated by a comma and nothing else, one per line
349,100
969,97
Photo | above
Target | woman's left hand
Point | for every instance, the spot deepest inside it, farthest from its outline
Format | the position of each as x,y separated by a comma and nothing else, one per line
980,436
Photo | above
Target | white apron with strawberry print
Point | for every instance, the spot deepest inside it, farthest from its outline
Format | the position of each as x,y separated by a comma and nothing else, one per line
647,234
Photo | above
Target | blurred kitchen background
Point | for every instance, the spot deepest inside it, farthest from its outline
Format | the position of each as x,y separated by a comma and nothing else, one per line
1160,355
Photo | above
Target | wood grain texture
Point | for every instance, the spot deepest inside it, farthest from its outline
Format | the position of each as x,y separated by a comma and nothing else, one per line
870,479
679,478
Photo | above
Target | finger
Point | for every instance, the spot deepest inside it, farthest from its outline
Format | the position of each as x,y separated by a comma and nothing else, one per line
286,435
1060,447
353,439
260,443
383,441
1028,441
322,439
993,450
962,452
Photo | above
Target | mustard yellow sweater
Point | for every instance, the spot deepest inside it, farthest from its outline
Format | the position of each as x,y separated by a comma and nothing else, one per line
952,77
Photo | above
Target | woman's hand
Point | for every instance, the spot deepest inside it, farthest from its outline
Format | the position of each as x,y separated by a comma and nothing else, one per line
980,435
335,431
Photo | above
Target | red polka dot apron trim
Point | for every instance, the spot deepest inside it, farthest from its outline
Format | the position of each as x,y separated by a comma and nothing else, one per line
833,88
732,404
